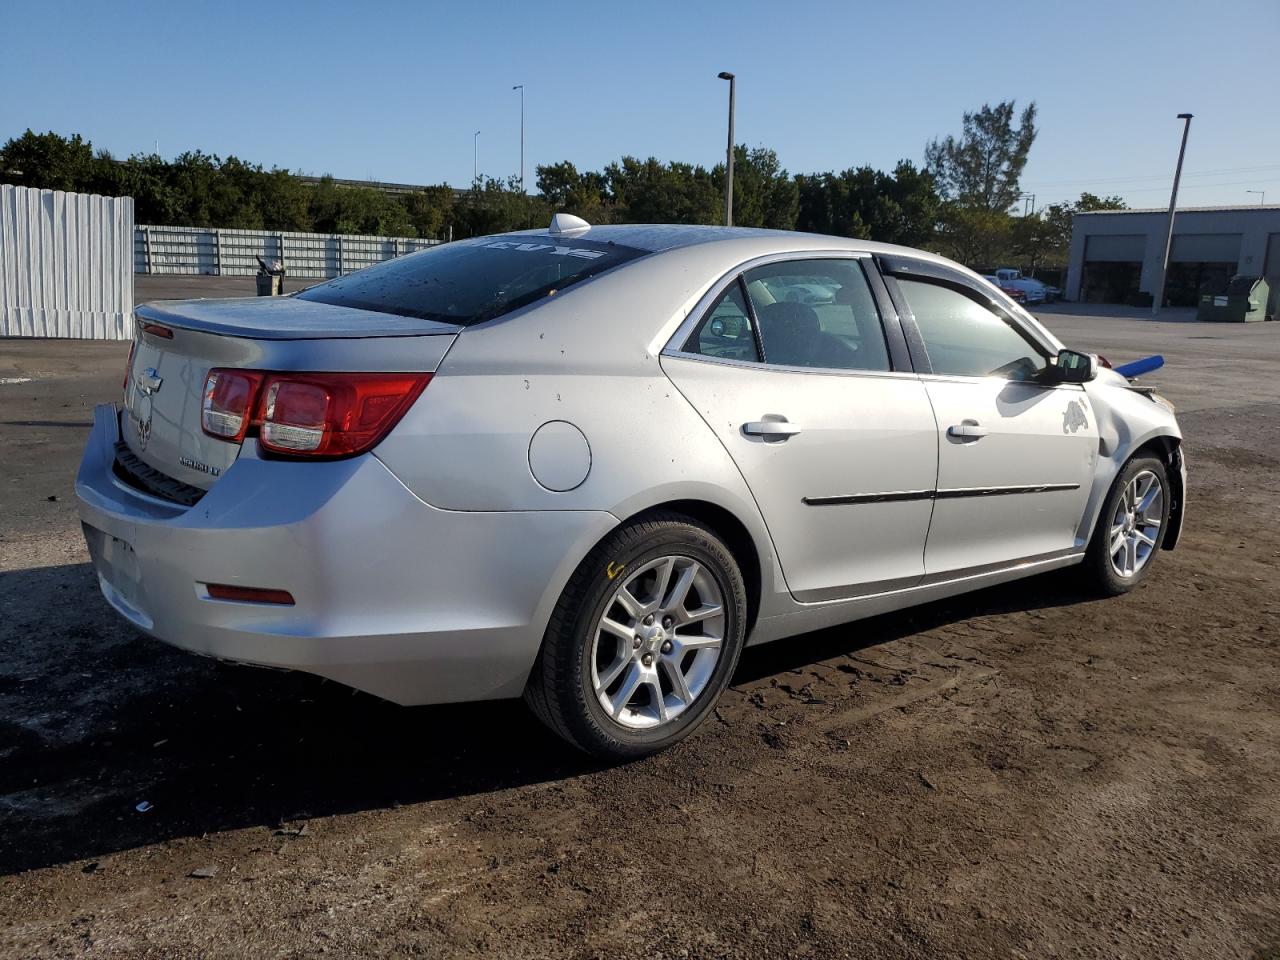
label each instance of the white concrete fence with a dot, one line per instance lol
(66, 264)
(199, 251)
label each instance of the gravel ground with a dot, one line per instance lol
(1023, 772)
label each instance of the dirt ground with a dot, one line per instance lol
(1023, 772)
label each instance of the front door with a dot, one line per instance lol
(1016, 453)
(789, 368)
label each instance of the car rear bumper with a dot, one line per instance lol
(392, 596)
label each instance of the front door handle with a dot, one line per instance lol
(967, 430)
(774, 429)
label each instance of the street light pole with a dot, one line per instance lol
(475, 160)
(1173, 203)
(520, 87)
(1262, 200)
(728, 173)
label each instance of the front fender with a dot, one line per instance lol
(1128, 422)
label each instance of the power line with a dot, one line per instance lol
(1163, 176)
(1205, 186)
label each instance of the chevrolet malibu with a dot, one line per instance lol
(588, 465)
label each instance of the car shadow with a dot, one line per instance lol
(96, 719)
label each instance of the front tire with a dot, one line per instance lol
(643, 640)
(1130, 529)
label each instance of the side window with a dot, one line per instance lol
(967, 339)
(725, 332)
(817, 313)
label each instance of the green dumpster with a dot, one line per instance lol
(1243, 301)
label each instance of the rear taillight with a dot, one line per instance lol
(333, 414)
(226, 409)
(308, 414)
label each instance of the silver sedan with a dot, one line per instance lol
(588, 465)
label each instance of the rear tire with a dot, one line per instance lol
(1130, 528)
(643, 640)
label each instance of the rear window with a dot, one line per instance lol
(471, 281)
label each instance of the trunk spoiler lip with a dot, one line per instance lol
(285, 318)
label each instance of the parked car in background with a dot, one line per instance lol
(1016, 294)
(1035, 290)
(590, 464)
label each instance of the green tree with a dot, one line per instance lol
(983, 166)
(764, 194)
(899, 207)
(336, 208)
(431, 211)
(975, 236)
(282, 200)
(48, 161)
(496, 206)
(565, 190)
(146, 178)
(649, 191)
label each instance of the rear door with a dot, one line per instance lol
(1016, 453)
(793, 368)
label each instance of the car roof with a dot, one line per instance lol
(663, 237)
(723, 249)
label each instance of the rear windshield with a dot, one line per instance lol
(471, 281)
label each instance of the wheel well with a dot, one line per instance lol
(1169, 451)
(735, 536)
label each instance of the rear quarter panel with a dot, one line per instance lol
(590, 359)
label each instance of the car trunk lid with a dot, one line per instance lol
(178, 343)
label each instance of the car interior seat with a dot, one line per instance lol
(793, 336)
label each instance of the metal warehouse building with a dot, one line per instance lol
(1115, 254)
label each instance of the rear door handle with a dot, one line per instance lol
(967, 430)
(774, 429)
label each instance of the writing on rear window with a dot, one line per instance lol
(551, 248)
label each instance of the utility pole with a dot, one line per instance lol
(475, 160)
(1173, 203)
(728, 167)
(520, 87)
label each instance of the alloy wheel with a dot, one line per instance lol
(655, 647)
(1135, 525)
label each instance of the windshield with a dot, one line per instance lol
(471, 281)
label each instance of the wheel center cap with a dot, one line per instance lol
(653, 638)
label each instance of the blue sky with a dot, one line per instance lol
(395, 91)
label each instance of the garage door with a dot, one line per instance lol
(1119, 249)
(1112, 267)
(1200, 263)
(1205, 248)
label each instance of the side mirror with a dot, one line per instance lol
(1072, 366)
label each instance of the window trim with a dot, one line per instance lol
(941, 275)
(900, 361)
(748, 311)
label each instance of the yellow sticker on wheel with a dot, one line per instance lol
(614, 568)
